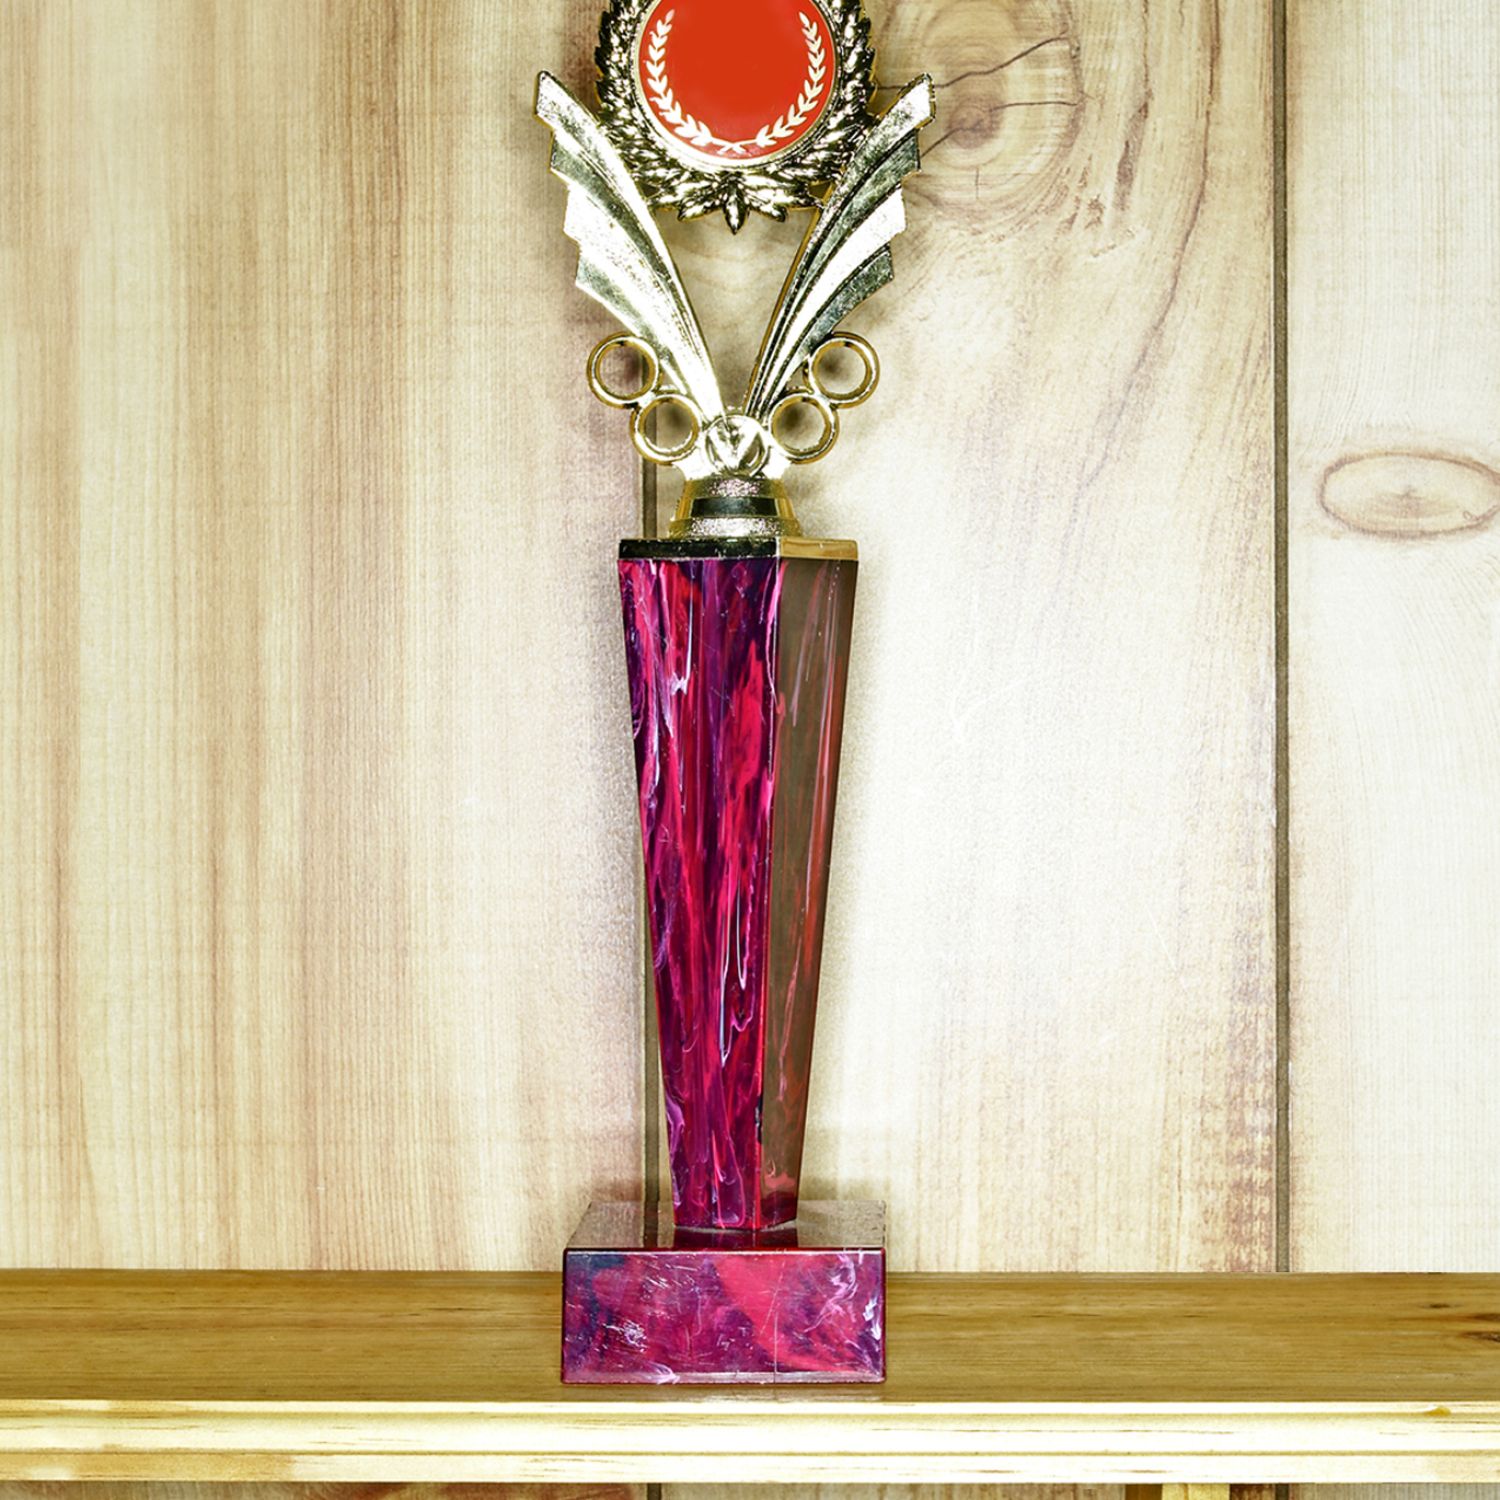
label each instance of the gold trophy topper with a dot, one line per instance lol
(706, 106)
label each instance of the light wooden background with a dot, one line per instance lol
(1394, 589)
(319, 907)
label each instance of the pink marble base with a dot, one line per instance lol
(646, 1303)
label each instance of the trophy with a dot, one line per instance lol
(737, 630)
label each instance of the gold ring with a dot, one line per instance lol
(824, 408)
(624, 400)
(650, 450)
(865, 389)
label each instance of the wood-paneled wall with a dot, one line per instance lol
(1394, 404)
(1049, 1030)
(1395, 672)
(317, 905)
(319, 937)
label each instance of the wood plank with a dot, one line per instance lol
(1395, 559)
(990, 1339)
(1394, 383)
(316, 859)
(1047, 1024)
(445, 1378)
(374, 1490)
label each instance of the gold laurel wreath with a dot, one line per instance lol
(736, 188)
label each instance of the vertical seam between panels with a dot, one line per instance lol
(1281, 408)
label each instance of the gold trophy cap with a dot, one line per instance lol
(757, 107)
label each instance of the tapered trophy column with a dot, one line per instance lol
(737, 633)
(738, 656)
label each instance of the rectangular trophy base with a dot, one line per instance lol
(645, 1303)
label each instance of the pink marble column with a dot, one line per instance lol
(738, 667)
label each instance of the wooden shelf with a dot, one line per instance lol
(1208, 1379)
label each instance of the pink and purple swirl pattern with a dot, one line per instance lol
(645, 1302)
(738, 668)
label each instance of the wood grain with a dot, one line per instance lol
(315, 875)
(246, 1490)
(1048, 1009)
(1395, 559)
(447, 1378)
(1394, 385)
(1048, 1030)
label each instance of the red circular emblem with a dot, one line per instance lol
(733, 85)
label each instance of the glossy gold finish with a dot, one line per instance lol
(642, 424)
(625, 265)
(867, 382)
(628, 344)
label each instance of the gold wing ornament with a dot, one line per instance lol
(846, 256)
(625, 265)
